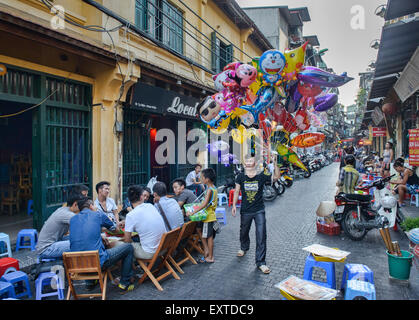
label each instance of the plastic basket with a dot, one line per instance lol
(332, 229)
(399, 267)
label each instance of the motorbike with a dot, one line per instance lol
(386, 204)
(356, 215)
(269, 192)
(230, 181)
(279, 187)
(286, 179)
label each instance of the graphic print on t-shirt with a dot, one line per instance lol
(251, 189)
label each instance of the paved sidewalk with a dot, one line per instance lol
(290, 227)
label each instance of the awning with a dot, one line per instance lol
(398, 43)
(399, 8)
(408, 83)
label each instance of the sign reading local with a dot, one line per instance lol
(158, 100)
(414, 147)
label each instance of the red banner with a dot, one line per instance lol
(414, 147)
(379, 132)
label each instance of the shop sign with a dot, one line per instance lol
(161, 101)
(379, 132)
(414, 147)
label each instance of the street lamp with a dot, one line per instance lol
(375, 45)
(380, 11)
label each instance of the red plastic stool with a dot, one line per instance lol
(231, 197)
(8, 265)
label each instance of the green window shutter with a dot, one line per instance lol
(229, 53)
(215, 53)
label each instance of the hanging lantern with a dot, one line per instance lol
(389, 108)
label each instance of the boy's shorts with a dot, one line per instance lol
(207, 229)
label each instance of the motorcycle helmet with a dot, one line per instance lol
(389, 202)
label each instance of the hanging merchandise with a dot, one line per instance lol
(269, 99)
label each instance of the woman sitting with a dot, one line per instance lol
(409, 181)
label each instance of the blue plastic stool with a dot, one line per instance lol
(7, 288)
(15, 277)
(22, 243)
(30, 207)
(45, 279)
(328, 266)
(220, 213)
(356, 289)
(5, 238)
(353, 271)
(222, 199)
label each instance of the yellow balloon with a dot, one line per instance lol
(222, 128)
(295, 60)
(239, 134)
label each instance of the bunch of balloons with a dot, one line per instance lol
(275, 92)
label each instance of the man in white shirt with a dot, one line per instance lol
(193, 181)
(168, 207)
(146, 221)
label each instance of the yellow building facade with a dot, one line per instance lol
(76, 59)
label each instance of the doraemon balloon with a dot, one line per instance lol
(272, 64)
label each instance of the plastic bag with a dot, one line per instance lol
(151, 183)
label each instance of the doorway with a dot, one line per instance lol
(15, 167)
(48, 147)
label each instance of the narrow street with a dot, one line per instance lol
(291, 226)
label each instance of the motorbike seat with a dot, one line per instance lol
(358, 197)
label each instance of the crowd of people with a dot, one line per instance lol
(79, 225)
(354, 162)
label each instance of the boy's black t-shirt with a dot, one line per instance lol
(252, 191)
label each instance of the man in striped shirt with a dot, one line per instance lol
(349, 177)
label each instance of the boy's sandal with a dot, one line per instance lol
(201, 259)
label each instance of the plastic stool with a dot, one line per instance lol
(353, 271)
(231, 197)
(15, 277)
(7, 288)
(8, 265)
(222, 199)
(22, 243)
(416, 201)
(220, 213)
(5, 238)
(328, 266)
(356, 289)
(30, 207)
(45, 279)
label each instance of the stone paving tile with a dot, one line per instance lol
(290, 227)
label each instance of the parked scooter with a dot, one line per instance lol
(386, 204)
(286, 179)
(356, 215)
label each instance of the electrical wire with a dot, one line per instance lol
(183, 28)
(197, 15)
(186, 29)
(36, 105)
